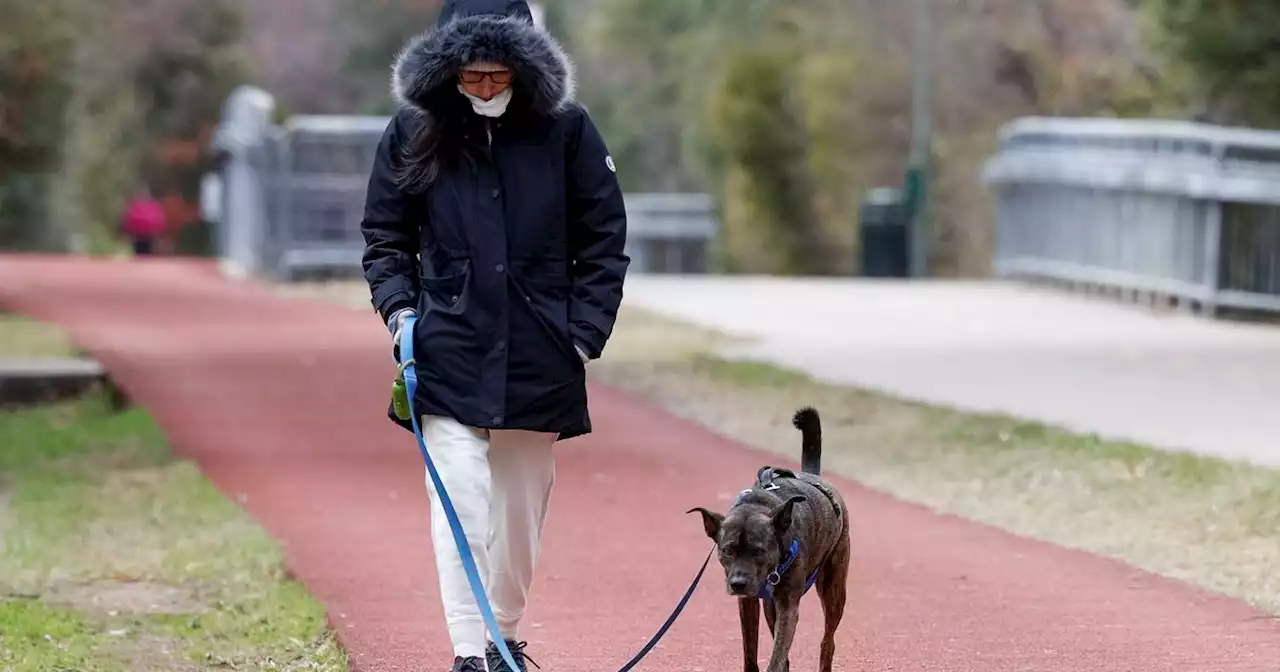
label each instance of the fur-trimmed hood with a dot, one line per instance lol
(471, 31)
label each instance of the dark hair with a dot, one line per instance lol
(436, 143)
(439, 143)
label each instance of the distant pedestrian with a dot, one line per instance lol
(143, 222)
(494, 213)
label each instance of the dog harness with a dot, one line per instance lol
(775, 577)
(764, 480)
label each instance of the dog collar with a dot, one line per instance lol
(775, 577)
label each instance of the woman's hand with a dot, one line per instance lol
(396, 325)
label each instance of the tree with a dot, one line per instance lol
(1227, 53)
(375, 32)
(112, 94)
(36, 56)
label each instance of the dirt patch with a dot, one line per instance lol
(149, 653)
(129, 598)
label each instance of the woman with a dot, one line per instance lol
(494, 214)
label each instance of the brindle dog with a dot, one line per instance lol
(784, 535)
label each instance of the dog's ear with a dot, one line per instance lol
(781, 514)
(710, 521)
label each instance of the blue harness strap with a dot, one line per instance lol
(775, 577)
(408, 370)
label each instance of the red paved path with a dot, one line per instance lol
(282, 405)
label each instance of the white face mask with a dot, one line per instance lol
(494, 107)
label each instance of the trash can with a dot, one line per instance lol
(883, 234)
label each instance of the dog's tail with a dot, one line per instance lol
(810, 425)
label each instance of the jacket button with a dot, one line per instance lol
(497, 193)
(499, 268)
(497, 419)
(502, 345)
(453, 299)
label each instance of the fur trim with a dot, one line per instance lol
(425, 69)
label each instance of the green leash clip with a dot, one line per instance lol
(400, 395)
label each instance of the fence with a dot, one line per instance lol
(1184, 210)
(287, 199)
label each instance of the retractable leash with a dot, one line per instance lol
(410, 377)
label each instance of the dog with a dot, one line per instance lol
(787, 533)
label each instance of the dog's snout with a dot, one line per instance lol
(738, 585)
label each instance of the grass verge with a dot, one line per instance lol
(21, 337)
(1208, 522)
(117, 556)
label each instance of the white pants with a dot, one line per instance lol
(499, 483)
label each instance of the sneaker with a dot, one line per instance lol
(472, 664)
(493, 657)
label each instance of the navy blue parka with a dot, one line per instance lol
(505, 234)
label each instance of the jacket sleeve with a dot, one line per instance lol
(390, 232)
(597, 238)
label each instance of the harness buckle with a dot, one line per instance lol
(774, 578)
(764, 478)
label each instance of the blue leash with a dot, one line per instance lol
(410, 374)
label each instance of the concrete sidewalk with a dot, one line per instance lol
(1169, 381)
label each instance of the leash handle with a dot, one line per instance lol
(459, 536)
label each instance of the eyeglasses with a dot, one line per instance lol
(476, 76)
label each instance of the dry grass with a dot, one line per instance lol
(21, 337)
(1212, 523)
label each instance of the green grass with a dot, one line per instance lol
(747, 373)
(112, 546)
(35, 637)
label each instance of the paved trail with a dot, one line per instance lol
(282, 403)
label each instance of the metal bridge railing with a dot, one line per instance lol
(290, 198)
(1186, 210)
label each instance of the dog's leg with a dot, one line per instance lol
(749, 614)
(832, 588)
(784, 631)
(771, 617)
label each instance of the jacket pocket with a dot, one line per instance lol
(446, 294)
(547, 297)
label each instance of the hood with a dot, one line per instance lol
(470, 31)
